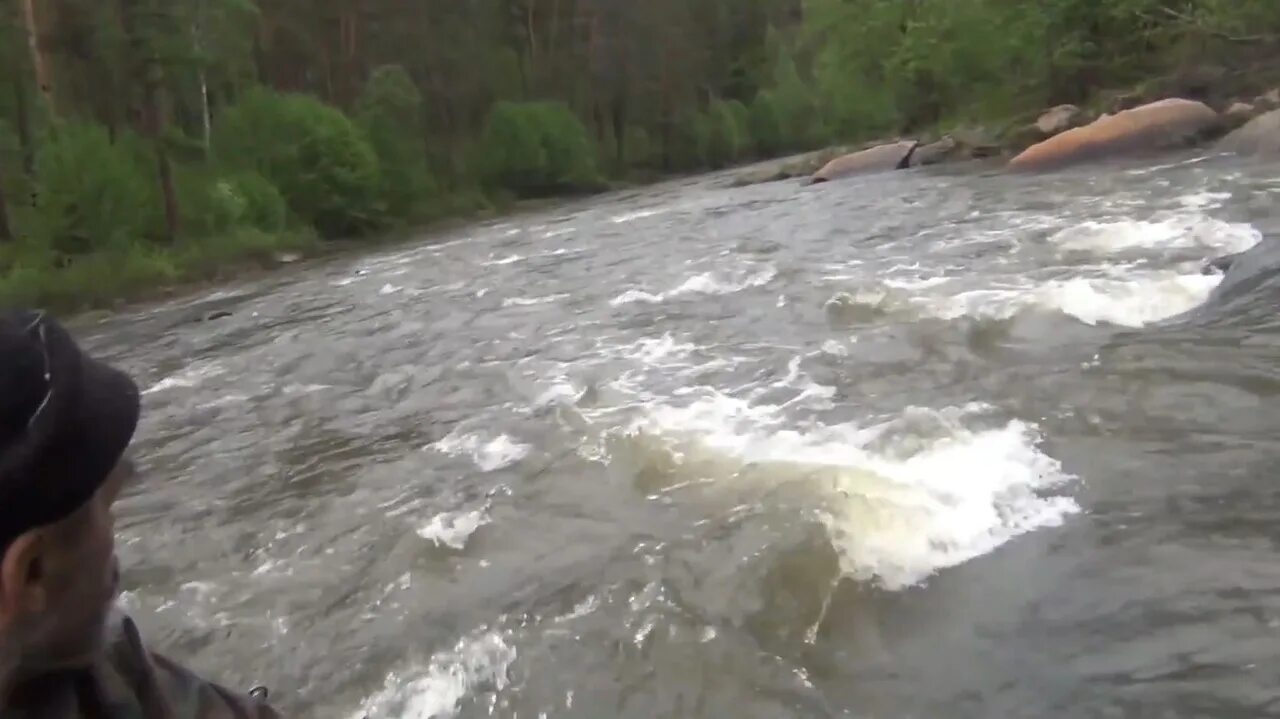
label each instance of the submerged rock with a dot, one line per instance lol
(1259, 136)
(1166, 124)
(881, 158)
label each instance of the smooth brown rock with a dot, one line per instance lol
(1261, 136)
(1058, 120)
(1165, 124)
(1268, 101)
(1238, 114)
(935, 152)
(800, 166)
(881, 158)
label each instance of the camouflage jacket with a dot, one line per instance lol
(132, 682)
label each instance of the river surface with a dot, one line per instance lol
(948, 444)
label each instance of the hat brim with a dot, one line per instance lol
(105, 419)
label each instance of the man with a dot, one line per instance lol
(65, 422)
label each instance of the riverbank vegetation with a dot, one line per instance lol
(145, 143)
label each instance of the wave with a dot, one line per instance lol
(717, 282)
(1138, 300)
(453, 529)
(476, 661)
(488, 454)
(1186, 230)
(189, 377)
(900, 500)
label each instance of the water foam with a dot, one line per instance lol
(717, 282)
(530, 301)
(488, 454)
(637, 215)
(1131, 300)
(1178, 231)
(1129, 303)
(475, 662)
(901, 500)
(453, 529)
(191, 376)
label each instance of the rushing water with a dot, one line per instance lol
(951, 444)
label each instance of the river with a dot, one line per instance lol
(922, 444)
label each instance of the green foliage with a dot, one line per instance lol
(765, 125)
(534, 148)
(92, 194)
(640, 148)
(322, 164)
(724, 141)
(795, 105)
(214, 203)
(687, 142)
(470, 104)
(390, 112)
(31, 276)
(742, 124)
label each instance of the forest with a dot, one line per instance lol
(145, 143)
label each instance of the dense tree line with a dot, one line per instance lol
(142, 138)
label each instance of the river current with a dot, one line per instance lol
(922, 444)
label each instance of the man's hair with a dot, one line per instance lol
(65, 421)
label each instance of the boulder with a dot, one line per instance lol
(977, 142)
(1261, 136)
(935, 152)
(1238, 114)
(1058, 120)
(1017, 139)
(800, 166)
(1268, 101)
(1161, 125)
(893, 156)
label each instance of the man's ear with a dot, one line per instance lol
(22, 575)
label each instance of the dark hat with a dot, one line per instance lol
(65, 422)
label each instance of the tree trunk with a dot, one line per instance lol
(24, 128)
(145, 63)
(39, 63)
(6, 230)
(197, 32)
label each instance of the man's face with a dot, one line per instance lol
(58, 591)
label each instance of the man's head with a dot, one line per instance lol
(65, 422)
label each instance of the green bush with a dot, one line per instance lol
(31, 275)
(766, 126)
(390, 112)
(90, 280)
(535, 148)
(723, 139)
(92, 194)
(687, 142)
(214, 202)
(322, 164)
(742, 122)
(640, 148)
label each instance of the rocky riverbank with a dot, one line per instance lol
(1058, 137)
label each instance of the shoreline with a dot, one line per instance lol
(92, 286)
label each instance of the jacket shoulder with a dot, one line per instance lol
(164, 689)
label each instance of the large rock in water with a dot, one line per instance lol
(1260, 136)
(1161, 125)
(893, 156)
